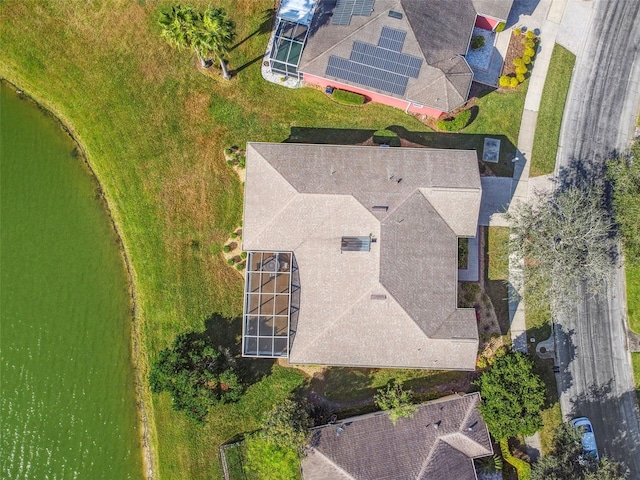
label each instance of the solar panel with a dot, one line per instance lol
(344, 69)
(356, 244)
(393, 14)
(385, 59)
(346, 8)
(392, 39)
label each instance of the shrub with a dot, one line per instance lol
(348, 98)
(514, 82)
(396, 401)
(455, 124)
(230, 163)
(529, 52)
(482, 363)
(518, 62)
(234, 235)
(521, 70)
(517, 31)
(530, 35)
(243, 255)
(526, 60)
(227, 151)
(230, 262)
(477, 41)
(505, 81)
(226, 249)
(522, 467)
(240, 266)
(500, 27)
(530, 44)
(520, 77)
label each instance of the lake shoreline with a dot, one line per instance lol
(143, 407)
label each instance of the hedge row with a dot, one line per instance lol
(455, 124)
(349, 98)
(522, 467)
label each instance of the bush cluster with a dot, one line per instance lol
(477, 41)
(456, 123)
(348, 98)
(522, 64)
(522, 467)
(235, 157)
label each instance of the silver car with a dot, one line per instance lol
(588, 438)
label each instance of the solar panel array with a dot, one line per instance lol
(392, 39)
(356, 244)
(346, 8)
(381, 66)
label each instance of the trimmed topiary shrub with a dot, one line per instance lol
(520, 77)
(517, 62)
(505, 81)
(521, 70)
(477, 41)
(517, 31)
(226, 249)
(348, 98)
(514, 82)
(240, 266)
(455, 124)
(500, 27)
(243, 255)
(529, 52)
(526, 60)
(230, 262)
(522, 467)
(530, 35)
(530, 44)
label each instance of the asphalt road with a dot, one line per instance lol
(595, 378)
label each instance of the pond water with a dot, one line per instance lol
(67, 407)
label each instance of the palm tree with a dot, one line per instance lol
(213, 38)
(179, 26)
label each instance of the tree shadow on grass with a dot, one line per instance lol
(226, 334)
(265, 26)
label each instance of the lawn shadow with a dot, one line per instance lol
(235, 71)
(342, 384)
(334, 136)
(226, 334)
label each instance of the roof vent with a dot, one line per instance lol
(376, 296)
(380, 208)
(393, 14)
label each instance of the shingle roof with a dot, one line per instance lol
(436, 31)
(370, 447)
(395, 305)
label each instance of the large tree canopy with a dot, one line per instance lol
(397, 401)
(564, 238)
(624, 175)
(568, 461)
(196, 375)
(512, 397)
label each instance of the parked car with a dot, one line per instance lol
(588, 438)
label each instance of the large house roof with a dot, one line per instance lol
(438, 442)
(437, 35)
(394, 305)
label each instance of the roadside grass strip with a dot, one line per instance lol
(633, 296)
(554, 95)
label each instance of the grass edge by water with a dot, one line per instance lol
(146, 426)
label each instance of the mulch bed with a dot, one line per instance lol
(515, 50)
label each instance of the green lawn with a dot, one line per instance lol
(498, 251)
(554, 95)
(154, 129)
(633, 296)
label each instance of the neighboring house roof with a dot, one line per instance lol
(396, 304)
(438, 442)
(436, 37)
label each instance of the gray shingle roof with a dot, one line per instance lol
(437, 31)
(370, 447)
(392, 306)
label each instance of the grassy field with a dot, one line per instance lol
(556, 87)
(154, 128)
(635, 358)
(498, 250)
(633, 296)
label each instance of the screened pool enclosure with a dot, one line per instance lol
(292, 28)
